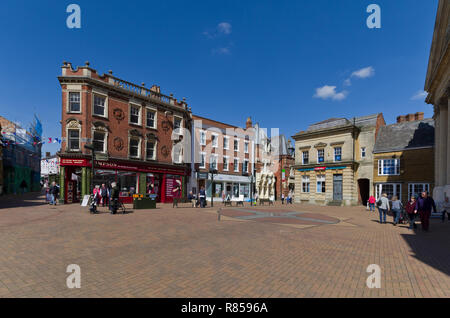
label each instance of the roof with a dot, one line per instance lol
(405, 135)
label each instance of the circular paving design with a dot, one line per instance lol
(279, 216)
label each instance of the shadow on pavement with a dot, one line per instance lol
(431, 248)
(22, 200)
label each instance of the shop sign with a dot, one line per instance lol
(320, 168)
(283, 175)
(74, 162)
(202, 175)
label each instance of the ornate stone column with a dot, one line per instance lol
(443, 143)
(437, 156)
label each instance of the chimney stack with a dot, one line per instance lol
(248, 123)
(410, 117)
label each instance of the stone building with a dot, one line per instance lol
(403, 157)
(226, 150)
(333, 160)
(1, 161)
(137, 134)
(437, 84)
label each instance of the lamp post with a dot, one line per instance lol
(91, 148)
(251, 190)
(212, 172)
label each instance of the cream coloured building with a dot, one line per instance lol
(333, 160)
(437, 85)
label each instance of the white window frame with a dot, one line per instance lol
(303, 157)
(102, 95)
(216, 161)
(246, 146)
(134, 105)
(228, 142)
(216, 138)
(68, 139)
(243, 166)
(181, 125)
(381, 166)
(306, 180)
(334, 156)
(236, 139)
(139, 147)
(68, 102)
(321, 178)
(200, 134)
(155, 119)
(236, 165)
(323, 150)
(155, 147)
(227, 158)
(204, 161)
(105, 139)
(379, 189)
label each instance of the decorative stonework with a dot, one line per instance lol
(73, 124)
(118, 143)
(118, 114)
(165, 151)
(166, 125)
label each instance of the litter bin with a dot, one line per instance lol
(144, 201)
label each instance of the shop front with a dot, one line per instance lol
(229, 185)
(131, 178)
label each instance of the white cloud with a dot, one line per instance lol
(329, 92)
(347, 82)
(364, 72)
(419, 95)
(222, 50)
(224, 27)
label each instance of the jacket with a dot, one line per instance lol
(384, 203)
(410, 207)
(397, 205)
(423, 204)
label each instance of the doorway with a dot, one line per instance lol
(363, 191)
(337, 187)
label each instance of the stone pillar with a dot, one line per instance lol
(443, 144)
(437, 157)
(143, 183)
(84, 185)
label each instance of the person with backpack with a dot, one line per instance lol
(372, 203)
(396, 209)
(383, 207)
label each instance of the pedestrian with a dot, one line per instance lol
(372, 203)
(424, 205)
(97, 195)
(256, 197)
(202, 197)
(282, 198)
(104, 194)
(54, 191)
(23, 186)
(396, 209)
(114, 197)
(383, 207)
(410, 210)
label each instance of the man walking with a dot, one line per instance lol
(54, 192)
(423, 206)
(383, 207)
(104, 194)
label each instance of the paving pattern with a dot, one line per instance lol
(188, 252)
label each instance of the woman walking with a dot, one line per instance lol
(372, 203)
(383, 207)
(410, 210)
(396, 209)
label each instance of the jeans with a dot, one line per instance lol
(396, 215)
(372, 207)
(425, 219)
(53, 202)
(382, 215)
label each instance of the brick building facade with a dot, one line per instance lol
(137, 134)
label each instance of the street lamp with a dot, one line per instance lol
(212, 172)
(91, 148)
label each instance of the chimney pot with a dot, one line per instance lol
(87, 63)
(110, 72)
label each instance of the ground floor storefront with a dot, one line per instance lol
(131, 178)
(326, 185)
(224, 185)
(403, 190)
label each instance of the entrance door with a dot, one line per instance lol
(337, 187)
(363, 190)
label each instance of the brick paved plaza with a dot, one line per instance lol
(186, 252)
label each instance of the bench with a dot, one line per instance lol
(183, 201)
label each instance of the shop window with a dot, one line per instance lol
(74, 139)
(135, 115)
(99, 106)
(320, 184)
(320, 155)
(337, 153)
(305, 157)
(305, 184)
(99, 141)
(74, 102)
(416, 189)
(390, 189)
(134, 147)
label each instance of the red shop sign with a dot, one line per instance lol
(320, 168)
(74, 162)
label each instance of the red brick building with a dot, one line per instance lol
(133, 130)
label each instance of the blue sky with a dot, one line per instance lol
(230, 59)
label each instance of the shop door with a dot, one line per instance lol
(337, 187)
